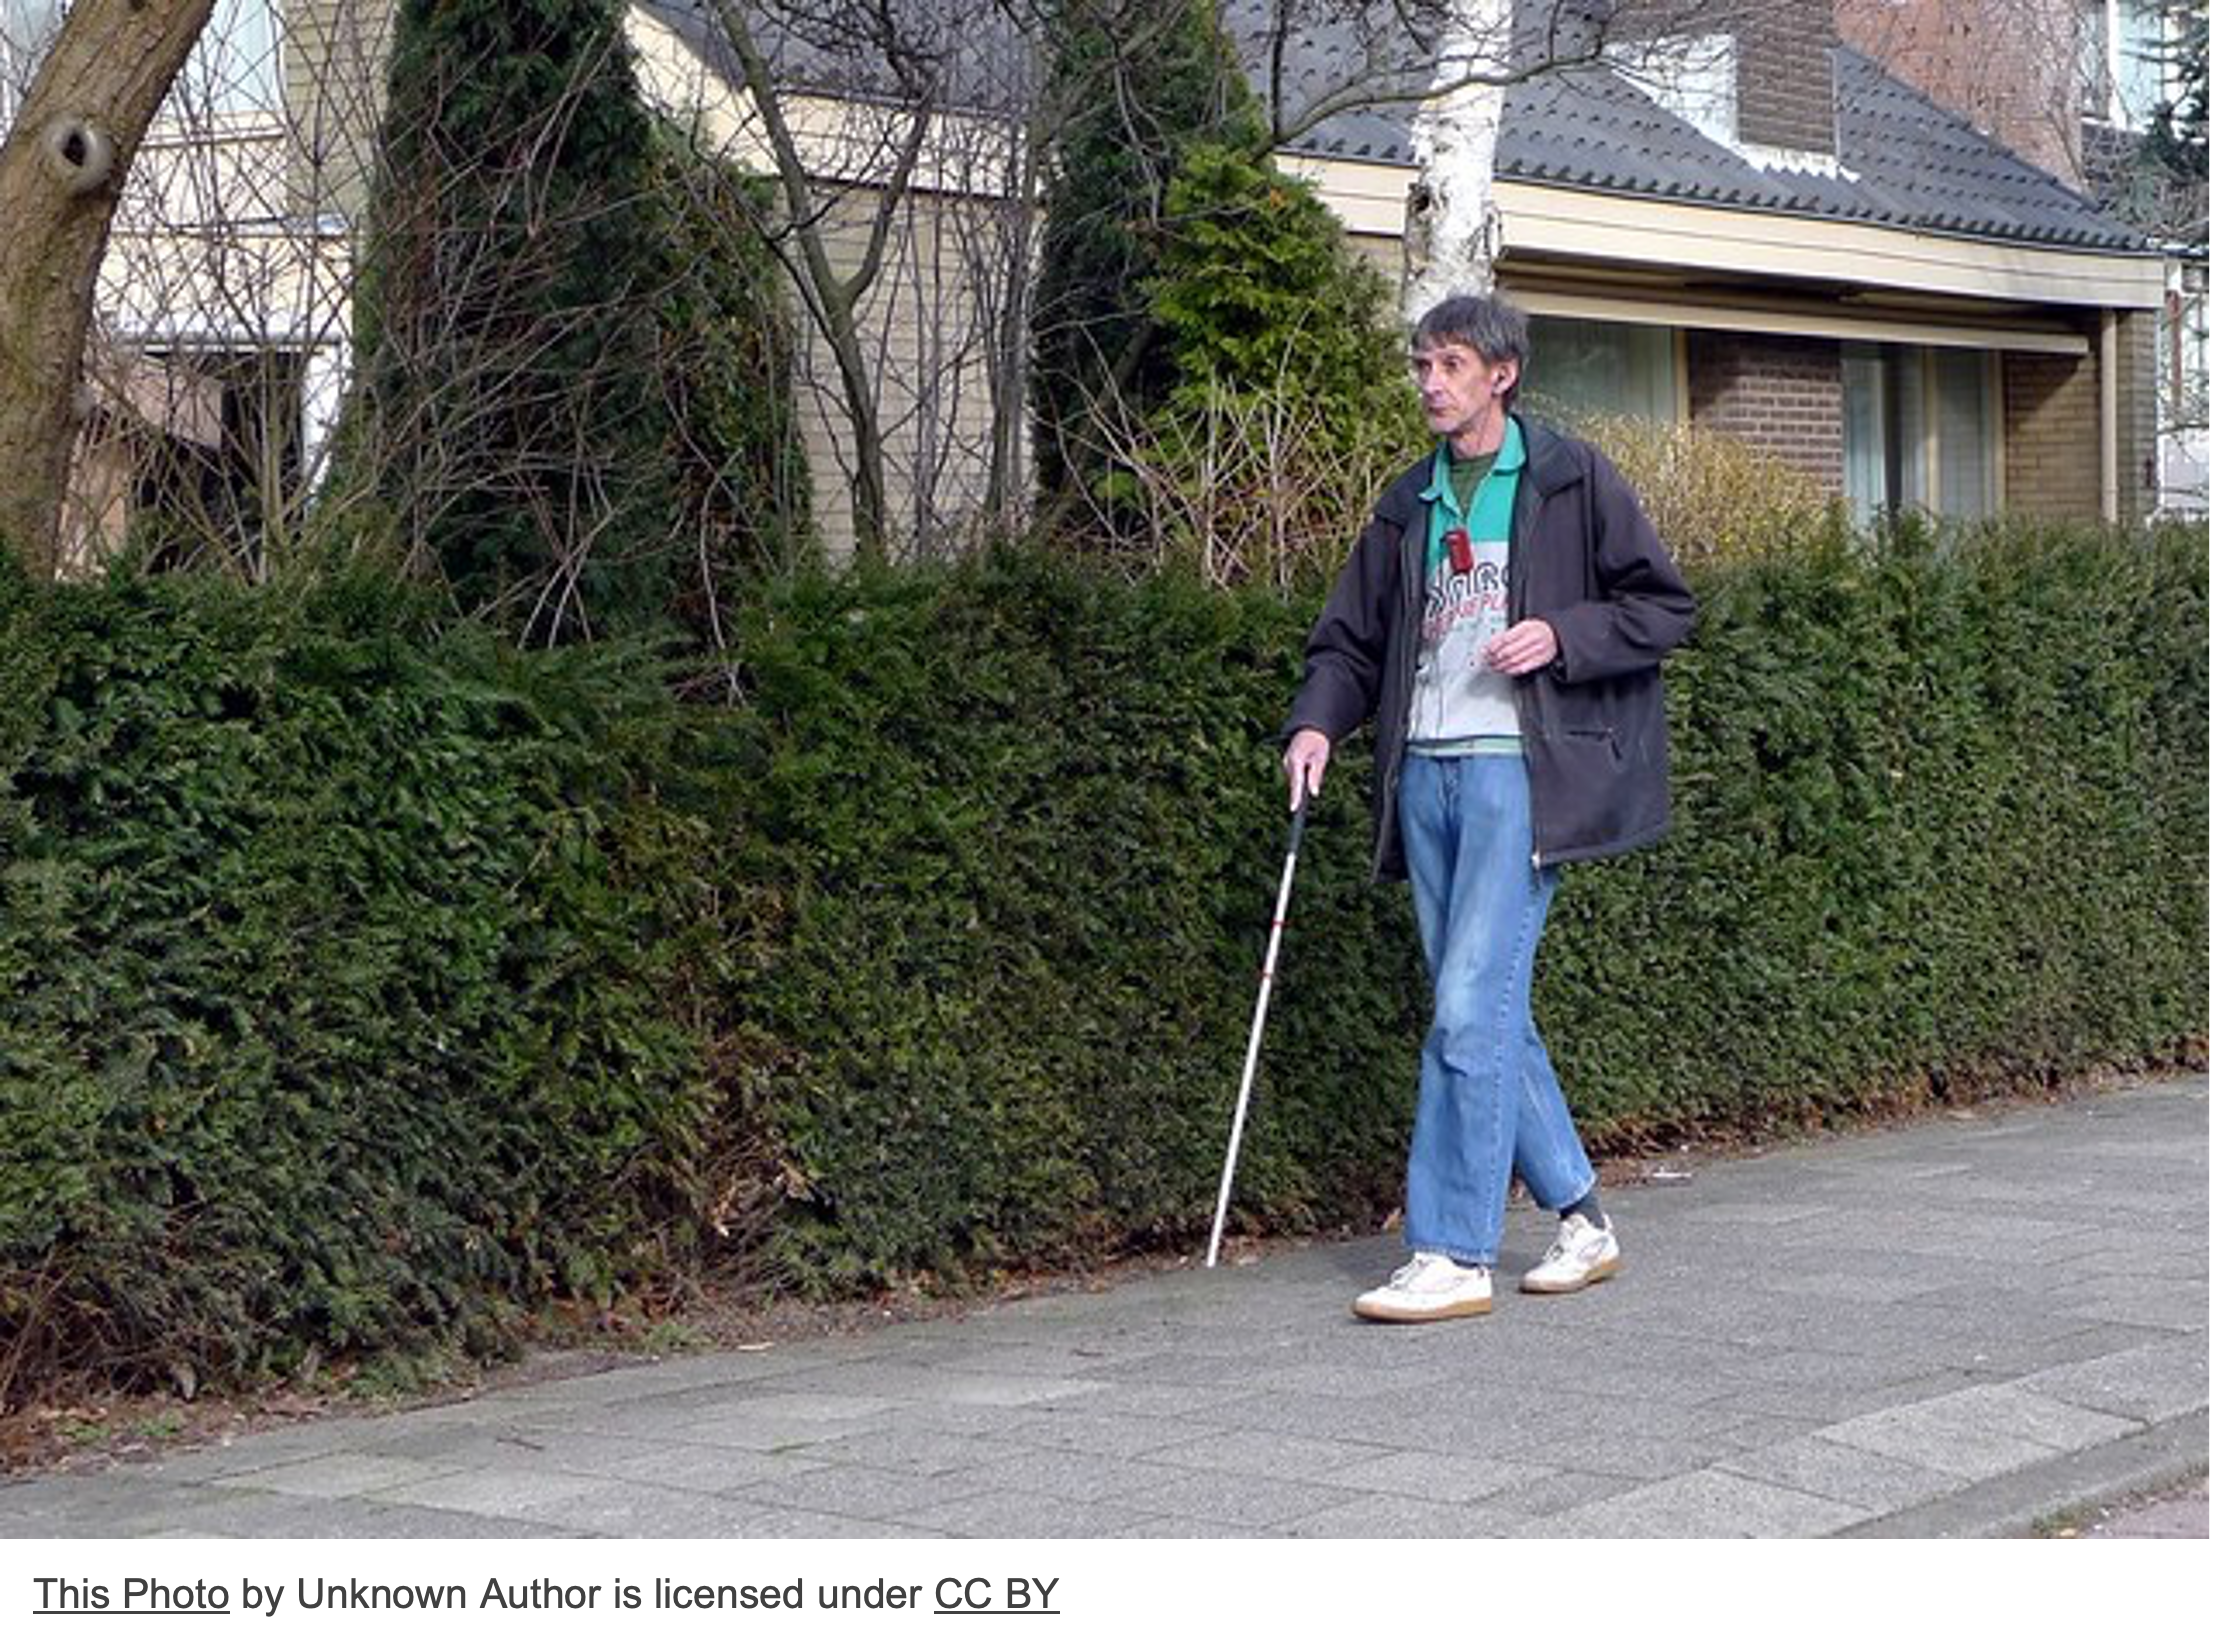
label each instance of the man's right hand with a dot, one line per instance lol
(1305, 759)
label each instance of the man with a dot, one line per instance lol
(1502, 618)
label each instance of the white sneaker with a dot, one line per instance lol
(1580, 1256)
(1426, 1288)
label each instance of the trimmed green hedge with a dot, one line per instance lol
(334, 963)
(1941, 818)
(1027, 826)
(364, 985)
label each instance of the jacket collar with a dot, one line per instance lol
(1552, 464)
(1548, 465)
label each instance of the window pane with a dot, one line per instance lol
(28, 23)
(1963, 434)
(2141, 67)
(2095, 66)
(26, 28)
(1866, 432)
(2182, 445)
(1909, 483)
(1581, 368)
(234, 69)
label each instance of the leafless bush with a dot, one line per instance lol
(1245, 487)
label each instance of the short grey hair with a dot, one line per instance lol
(1493, 328)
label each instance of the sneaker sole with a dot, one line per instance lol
(1432, 1314)
(1597, 1274)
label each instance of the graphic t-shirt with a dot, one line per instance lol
(1461, 705)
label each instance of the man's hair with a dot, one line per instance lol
(1493, 328)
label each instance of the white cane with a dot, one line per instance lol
(1259, 1019)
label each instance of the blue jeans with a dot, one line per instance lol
(1490, 1105)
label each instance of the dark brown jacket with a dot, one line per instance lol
(1582, 556)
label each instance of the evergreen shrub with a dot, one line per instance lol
(1941, 816)
(338, 964)
(364, 985)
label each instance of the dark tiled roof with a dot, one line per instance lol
(1920, 164)
(1906, 163)
(970, 47)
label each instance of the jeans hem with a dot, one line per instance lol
(1458, 1257)
(1589, 1187)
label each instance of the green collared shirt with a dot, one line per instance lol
(1461, 706)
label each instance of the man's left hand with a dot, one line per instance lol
(1522, 648)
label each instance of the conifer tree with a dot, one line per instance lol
(1135, 84)
(1258, 292)
(510, 414)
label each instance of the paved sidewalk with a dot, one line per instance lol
(1948, 1329)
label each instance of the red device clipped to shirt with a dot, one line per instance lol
(1460, 549)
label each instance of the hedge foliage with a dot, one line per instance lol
(362, 983)
(335, 965)
(1026, 826)
(1942, 815)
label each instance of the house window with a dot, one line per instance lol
(1921, 430)
(1965, 393)
(1867, 443)
(2182, 349)
(27, 27)
(1578, 369)
(2183, 357)
(1692, 77)
(235, 69)
(2125, 62)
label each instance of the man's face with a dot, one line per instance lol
(1460, 390)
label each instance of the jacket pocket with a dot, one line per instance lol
(1592, 741)
(1578, 789)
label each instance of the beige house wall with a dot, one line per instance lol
(927, 331)
(335, 57)
(929, 322)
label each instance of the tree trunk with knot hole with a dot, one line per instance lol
(61, 173)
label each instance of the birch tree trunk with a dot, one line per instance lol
(61, 171)
(1451, 221)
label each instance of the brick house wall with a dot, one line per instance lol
(2006, 66)
(2051, 425)
(1786, 76)
(2139, 380)
(1782, 395)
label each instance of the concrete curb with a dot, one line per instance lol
(2013, 1504)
